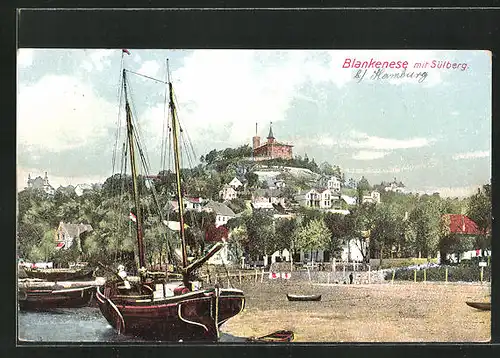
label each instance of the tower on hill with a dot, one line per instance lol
(270, 149)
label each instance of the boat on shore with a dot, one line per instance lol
(275, 337)
(149, 306)
(292, 297)
(60, 274)
(483, 306)
(44, 295)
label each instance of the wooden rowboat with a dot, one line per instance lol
(483, 306)
(278, 336)
(303, 297)
(32, 298)
(56, 275)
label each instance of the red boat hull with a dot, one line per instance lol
(40, 299)
(193, 316)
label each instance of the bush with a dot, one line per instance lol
(395, 263)
(455, 274)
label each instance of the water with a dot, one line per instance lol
(76, 325)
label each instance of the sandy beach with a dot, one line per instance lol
(400, 312)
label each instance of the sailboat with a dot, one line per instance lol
(151, 306)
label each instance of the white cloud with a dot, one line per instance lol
(472, 155)
(59, 113)
(24, 57)
(150, 68)
(363, 140)
(97, 59)
(360, 140)
(369, 155)
(455, 113)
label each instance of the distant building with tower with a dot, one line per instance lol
(270, 149)
(41, 183)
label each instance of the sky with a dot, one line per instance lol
(431, 131)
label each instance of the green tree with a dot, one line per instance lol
(479, 211)
(252, 179)
(386, 230)
(339, 232)
(313, 236)
(286, 234)
(424, 226)
(261, 234)
(363, 184)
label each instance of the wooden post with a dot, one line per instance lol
(393, 274)
(425, 275)
(216, 278)
(309, 274)
(414, 275)
(262, 276)
(240, 276)
(482, 273)
(256, 275)
(446, 275)
(369, 274)
(334, 265)
(344, 270)
(328, 278)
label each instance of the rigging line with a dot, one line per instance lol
(165, 122)
(136, 133)
(120, 97)
(151, 78)
(187, 134)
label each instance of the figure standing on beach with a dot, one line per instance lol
(351, 277)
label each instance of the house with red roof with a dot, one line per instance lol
(464, 226)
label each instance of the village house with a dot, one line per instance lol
(265, 198)
(350, 253)
(310, 198)
(317, 198)
(462, 226)
(189, 203)
(279, 183)
(68, 233)
(41, 184)
(349, 200)
(81, 188)
(330, 182)
(395, 187)
(235, 183)
(328, 197)
(68, 190)
(222, 212)
(374, 197)
(228, 193)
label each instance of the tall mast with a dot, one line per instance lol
(130, 135)
(177, 161)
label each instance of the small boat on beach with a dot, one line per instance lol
(60, 274)
(292, 297)
(48, 295)
(483, 306)
(275, 337)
